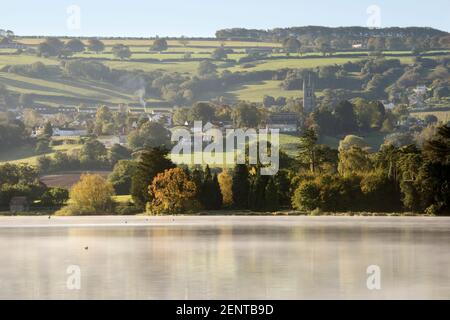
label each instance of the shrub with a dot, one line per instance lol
(307, 196)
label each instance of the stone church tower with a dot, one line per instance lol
(309, 98)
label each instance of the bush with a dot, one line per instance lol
(55, 197)
(127, 209)
(307, 196)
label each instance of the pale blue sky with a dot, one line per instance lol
(204, 17)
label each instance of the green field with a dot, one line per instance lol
(27, 155)
(443, 116)
(55, 90)
(148, 43)
(14, 59)
(254, 92)
(63, 88)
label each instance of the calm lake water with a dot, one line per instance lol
(224, 257)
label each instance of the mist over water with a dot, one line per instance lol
(225, 257)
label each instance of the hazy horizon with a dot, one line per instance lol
(199, 18)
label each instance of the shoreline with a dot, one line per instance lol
(229, 213)
(11, 222)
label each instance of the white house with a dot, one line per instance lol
(161, 114)
(69, 132)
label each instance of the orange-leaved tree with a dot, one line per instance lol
(226, 183)
(172, 192)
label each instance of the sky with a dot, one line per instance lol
(201, 18)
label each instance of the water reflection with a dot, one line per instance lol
(271, 260)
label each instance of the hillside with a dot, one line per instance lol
(246, 70)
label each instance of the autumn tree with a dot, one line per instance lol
(92, 195)
(152, 162)
(225, 183)
(172, 192)
(353, 161)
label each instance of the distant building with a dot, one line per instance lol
(136, 111)
(67, 109)
(45, 111)
(284, 121)
(420, 90)
(388, 105)
(69, 132)
(309, 98)
(87, 110)
(158, 115)
(417, 98)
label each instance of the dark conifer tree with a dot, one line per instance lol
(240, 186)
(271, 196)
(152, 162)
(197, 178)
(217, 199)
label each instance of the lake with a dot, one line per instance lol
(224, 257)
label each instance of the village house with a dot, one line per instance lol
(45, 112)
(136, 111)
(87, 110)
(67, 109)
(286, 122)
(158, 115)
(388, 105)
(69, 132)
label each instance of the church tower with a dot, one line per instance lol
(309, 98)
